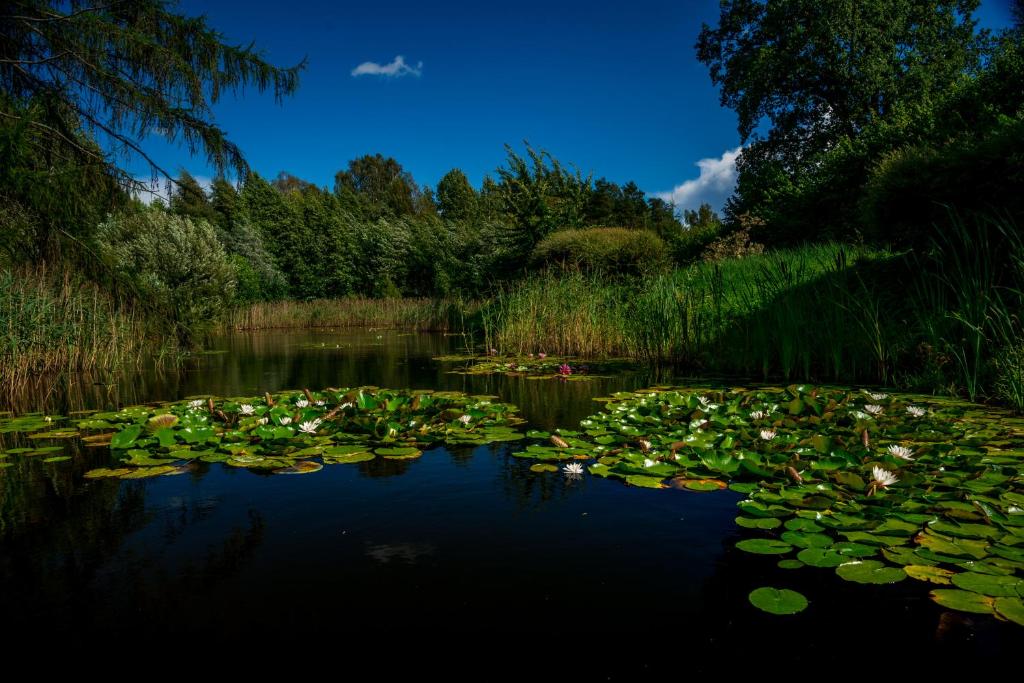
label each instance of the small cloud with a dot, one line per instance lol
(716, 182)
(395, 69)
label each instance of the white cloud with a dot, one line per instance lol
(396, 68)
(715, 183)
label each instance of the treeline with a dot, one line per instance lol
(379, 233)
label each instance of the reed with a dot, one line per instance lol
(440, 315)
(54, 321)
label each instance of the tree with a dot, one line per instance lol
(819, 70)
(456, 198)
(822, 89)
(74, 74)
(188, 198)
(378, 186)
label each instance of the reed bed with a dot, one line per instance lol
(437, 315)
(55, 321)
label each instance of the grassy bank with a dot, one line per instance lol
(55, 321)
(438, 315)
(945, 320)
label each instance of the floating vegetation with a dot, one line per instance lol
(540, 366)
(870, 486)
(297, 432)
(777, 600)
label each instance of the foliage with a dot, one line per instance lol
(456, 198)
(127, 70)
(610, 251)
(284, 433)
(850, 142)
(176, 266)
(877, 487)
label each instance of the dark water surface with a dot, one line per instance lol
(460, 546)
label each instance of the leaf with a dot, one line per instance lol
(807, 540)
(777, 600)
(869, 571)
(987, 584)
(758, 522)
(1010, 608)
(543, 467)
(643, 481)
(764, 546)
(928, 573)
(302, 467)
(963, 601)
(126, 437)
(821, 557)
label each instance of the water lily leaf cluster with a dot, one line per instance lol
(534, 367)
(875, 488)
(299, 432)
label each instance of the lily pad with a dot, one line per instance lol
(777, 600)
(764, 546)
(869, 571)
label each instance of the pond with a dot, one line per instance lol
(467, 539)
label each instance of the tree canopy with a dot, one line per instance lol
(123, 70)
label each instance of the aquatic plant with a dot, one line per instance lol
(819, 487)
(281, 433)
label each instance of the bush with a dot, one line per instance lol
(912, 189)
(176, 265)
(609, 251)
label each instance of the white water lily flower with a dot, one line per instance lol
(198, 403)
(321, 403)
(573, 469)
(873, 409)
(465, 419)
(302, 403)
(878, 397)
(901, 452)
(649, 463)
(915, 411)
(712, 406)
(861, 415)
(882, 477)
(345, 405)
(309, 427)
(286, 420)
(768, 434)
(703, 400)
(758, 415)
(246, 409)
(264, 420)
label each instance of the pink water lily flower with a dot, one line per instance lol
(564, 369)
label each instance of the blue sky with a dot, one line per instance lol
(613, 88)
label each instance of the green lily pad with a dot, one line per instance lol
(1011, 609)
(869, 571)
(777, 600)
(764, 546)
(964, 601)
(986, 584)
(929, 573)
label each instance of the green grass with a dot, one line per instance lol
(786, 313)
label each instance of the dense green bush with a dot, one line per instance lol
(176, 265)
(610, 251)
(914, 188)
